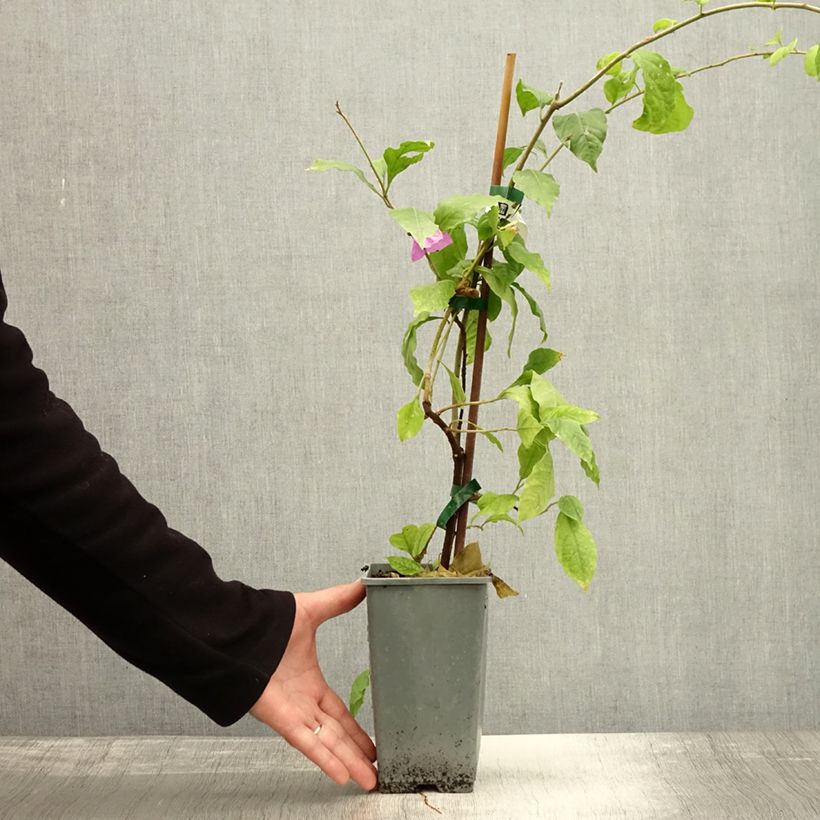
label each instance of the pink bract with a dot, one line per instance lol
(435, 242)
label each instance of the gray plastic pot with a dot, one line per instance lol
(428, 651)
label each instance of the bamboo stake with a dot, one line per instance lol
(481, 326)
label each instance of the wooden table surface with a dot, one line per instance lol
(715, 775)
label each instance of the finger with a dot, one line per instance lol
(334, 601)
(305, 741)
(335, 707)
(341, 745)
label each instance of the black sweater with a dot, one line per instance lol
(77, 528)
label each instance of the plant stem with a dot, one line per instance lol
(468, 403)
(558, 104)
(369, 161)
(698, 70)
(481, 324)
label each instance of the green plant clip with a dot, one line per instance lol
(459, 495)
(508, 192)
(467, 303)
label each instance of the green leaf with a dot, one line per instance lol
(571, 507)
(493, 439)
(495, 504)
(413, 539)
(538, 488)
(404, 566)
(545, 393)
(664, 107)
(419, 224)
(528, 457)
(528, 426)
(575, 548)
(777, 39)
(530, 260)
(328, 164)
(569, 411)
(408, 347)
(470, 328)
(535, 309)
(590, 467)
(539, 361)
(511, 154)
(456, 210)
(811, 62)
(409, 419)
(487, 224)
(398, 159)
(493, 306)
(447, 258)
(541, 188)
(663, 23)
(499, 279)
(357, 691)
(522, 395)
(584, 132)
(606, 59)
(573, 437)
(783, 52)
(456, 387)
(427, 298)
(529, 98)
(620, 86)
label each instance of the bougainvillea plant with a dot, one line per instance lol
(469, 289)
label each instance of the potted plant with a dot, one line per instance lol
(428, 692)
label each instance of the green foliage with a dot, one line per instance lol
(328, 164)
(584, 133)
(539, 488)
(664, 107)
(811, 62)
(456, 387)
(409, 419)
(404, 566)
(408, 346)
(535, 309)
(427, 298)
(663, 24)
(783, 52)
(470, 328)
(529, 456)
(419, 224)
(613, 70)
(493, 439)
(620, 85)
(413, 539)
(357, 691)
(539, 361)
(529, 98)
(399, 159)
(513, 152)
(499, 278)
(575, 549)
(538, 186)
(531, 260)
(446, 259)
(456, 210)
(571, 506)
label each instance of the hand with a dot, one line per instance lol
(297, 698)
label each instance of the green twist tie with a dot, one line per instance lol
(459, 495)
(467, 302)
(508, 192)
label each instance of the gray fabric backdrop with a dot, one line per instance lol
(228, 326)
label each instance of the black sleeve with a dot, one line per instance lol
(77, 528)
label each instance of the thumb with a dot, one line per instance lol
(334, 601)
